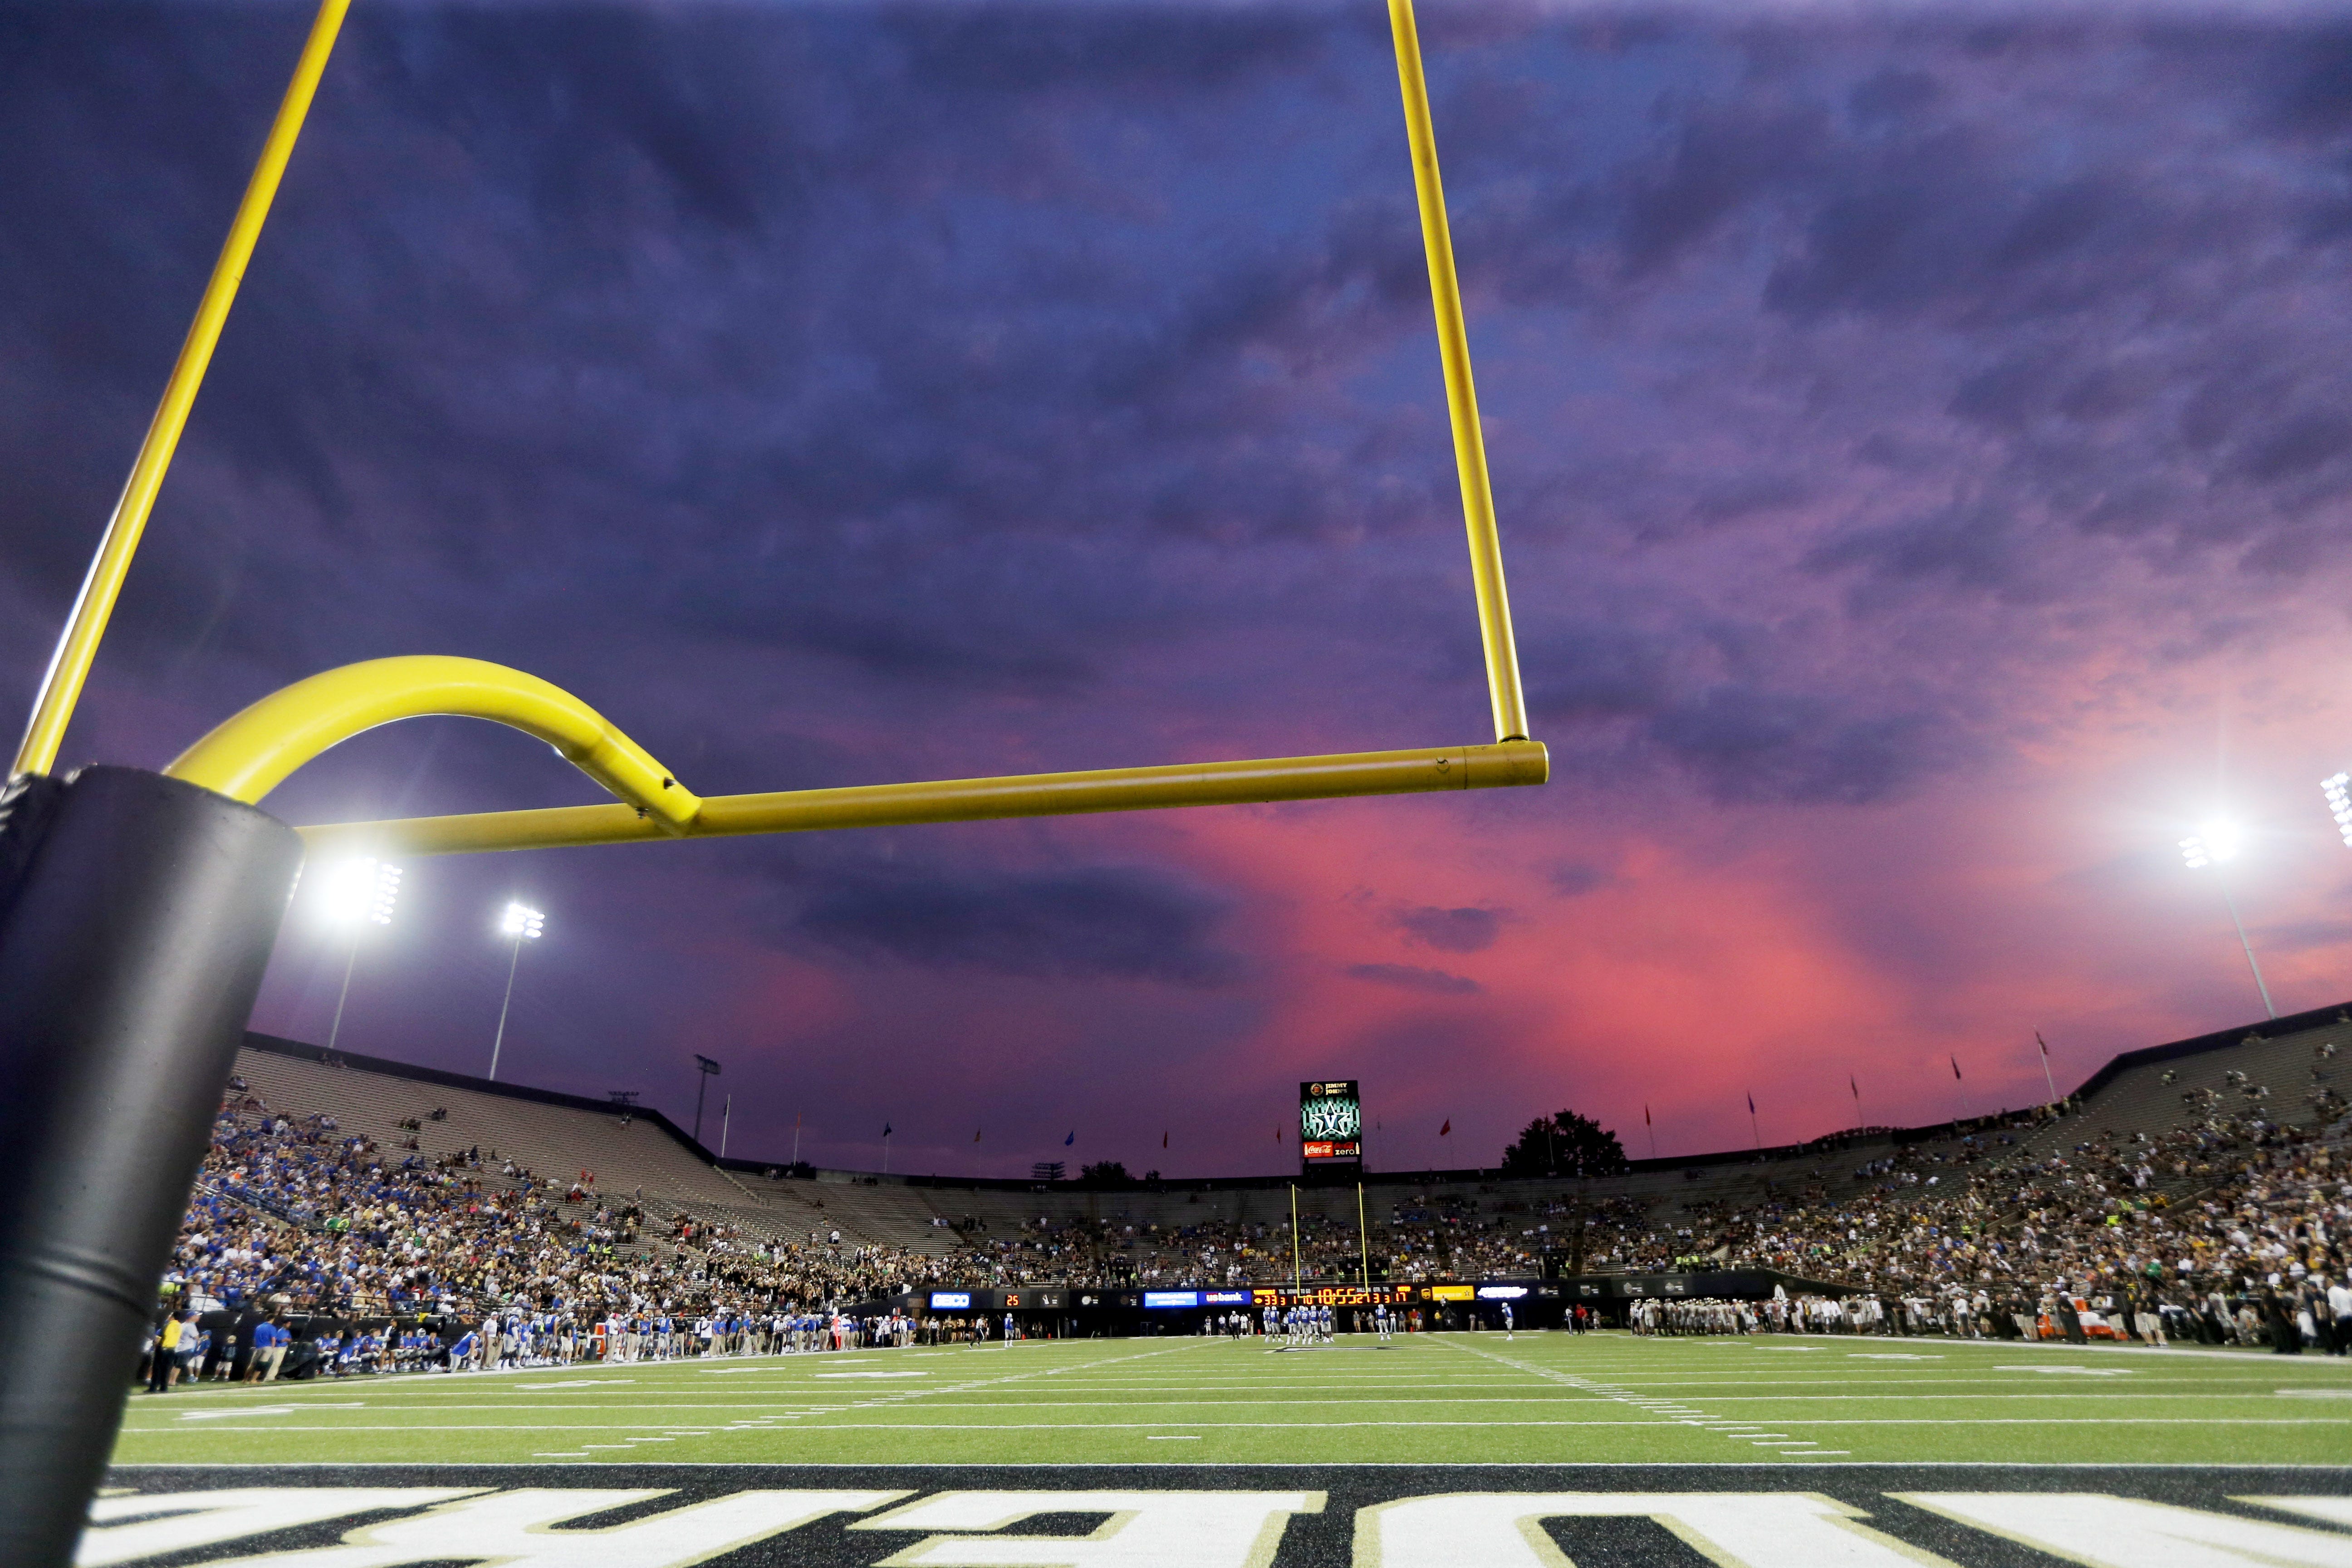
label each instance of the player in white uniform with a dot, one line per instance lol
(1507, 1322)
(1380, 1321)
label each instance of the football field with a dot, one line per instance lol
(1536, 1399)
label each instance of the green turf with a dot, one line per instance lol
(1538, 1398)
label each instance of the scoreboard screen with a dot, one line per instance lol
(1331, 1121)
(1337, 1296)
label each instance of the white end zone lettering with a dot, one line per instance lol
(2327, 1509)
(124, 1529)
(2132, 1532)
(512, 1529)
(1738, 1530)
(1146, 1530)
(2181, 1517)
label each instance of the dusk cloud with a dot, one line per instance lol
(1116, 922)
(1470, 929)
(1414, 977)
(1918, 441)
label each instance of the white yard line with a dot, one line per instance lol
(885, 1429)
(1674, 1410)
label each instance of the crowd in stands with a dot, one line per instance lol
(1424, 1238)
(258, 1344)
(2232, 1225)
(296, 1218)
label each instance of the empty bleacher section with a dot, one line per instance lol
(559, 1137)
(2287, 1073)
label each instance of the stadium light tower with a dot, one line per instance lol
(519, 924)
(2211, 844)
(705, 1069)
(359, 893)
(2339, 790)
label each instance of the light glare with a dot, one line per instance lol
(522, 922)
(363, 889)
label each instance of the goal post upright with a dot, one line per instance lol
(1500, 647)
(138, 912)
(85, 628)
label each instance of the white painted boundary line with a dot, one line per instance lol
(881, 1429)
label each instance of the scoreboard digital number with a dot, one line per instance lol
(1331, 1121)
(1336, 1296)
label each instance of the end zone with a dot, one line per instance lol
(1249, 1516)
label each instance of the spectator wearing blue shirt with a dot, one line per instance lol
(270, 1339)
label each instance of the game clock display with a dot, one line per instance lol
(1337, 1296)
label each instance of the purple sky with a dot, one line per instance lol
(1921, 444)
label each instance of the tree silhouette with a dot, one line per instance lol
(1106, 1173)
(1565, 1144)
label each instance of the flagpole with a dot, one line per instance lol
(1653, 1127)
(796, 1137)
(2046, 1082)
(1364, 1236)
(1753, 1131)
(1296, 1286)
(726, 1116)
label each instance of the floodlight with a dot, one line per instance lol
(359, 894)
(2218, 840)
(705, 1069)
(2339, 790)
(520, 923)
(363, 889)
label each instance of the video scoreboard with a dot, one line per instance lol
(1330, 1124)
(1341, 1296)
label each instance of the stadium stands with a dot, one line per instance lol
(624, 1152)
(2205, 1167)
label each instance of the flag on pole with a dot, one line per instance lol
(1277, 1131)
(1447, 1128)
(1164, 1140)
(885, 1130)
(2042, 1043)
(1851, 1084)
(1071, 1138)
(1751, 1102)
(1645, 1113)
(1956, 1069)
(975, 1134)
